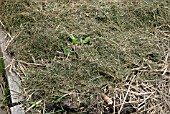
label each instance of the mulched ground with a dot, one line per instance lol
(123, 69)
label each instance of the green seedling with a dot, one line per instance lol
(74, 39)
(86, 40)
(67, 50)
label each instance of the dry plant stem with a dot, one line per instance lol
(149, 108)
(145, 101)
(126, 94)
(167, 102)
(11, 39)
(114, 105)
(136, 93)
(10, 66)
(44, 108)
(2, 24)
(34, 64)
(164, 34)
(22, 69)
(166, 63)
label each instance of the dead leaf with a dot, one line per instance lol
(86, 14)
(107, 99)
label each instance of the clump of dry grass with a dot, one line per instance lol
(128, 51)
(144, 96)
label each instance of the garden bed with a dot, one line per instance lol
(71, 54)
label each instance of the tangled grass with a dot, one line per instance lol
(127, 57)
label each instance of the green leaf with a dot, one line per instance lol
(2, 66)
(6, 92)
(86, 40)
(67, 50)
(74, 40)
(61, 97)
(2, 101)
(36, 105)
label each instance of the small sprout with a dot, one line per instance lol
(74, 40)
(86, 40)
(67, 50)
